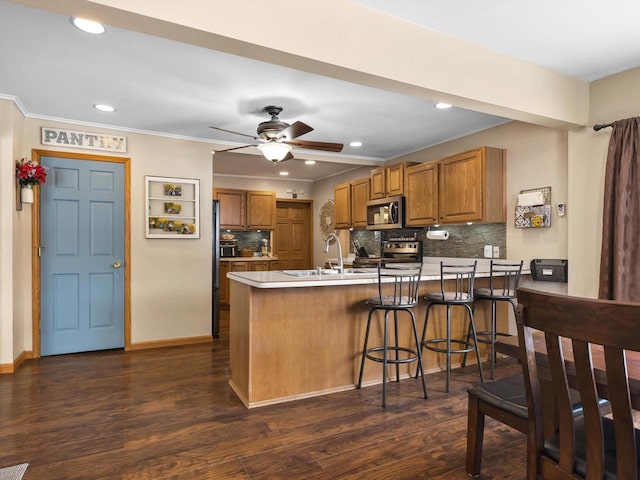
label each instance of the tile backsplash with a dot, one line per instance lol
(251, 239)
(465, 241)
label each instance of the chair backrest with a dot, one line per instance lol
(461, 277)
(505, 278)
(398, 284)
(588, 344)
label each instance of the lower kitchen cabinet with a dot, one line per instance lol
(227, 266)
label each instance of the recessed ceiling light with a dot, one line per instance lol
(284, 174)
(104, 108)
(355, 144)
(310, 162)
(88, 26)
(442, 105)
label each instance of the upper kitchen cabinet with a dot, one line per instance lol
(395, 180)
(387, 181)
(233, 205)
(342, 205)
(261, 210)
(351, 204)
(359, 199)
(472, 186)
(246, 210)
(421, 188)
(378, 183)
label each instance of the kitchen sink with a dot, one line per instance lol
(327, 272)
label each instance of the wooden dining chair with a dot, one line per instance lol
(587, 344)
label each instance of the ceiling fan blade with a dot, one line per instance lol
(235, 133)
(288, 156)
(325, 146)
(295, 130)
(234, 148)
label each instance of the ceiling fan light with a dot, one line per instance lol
(274, 151)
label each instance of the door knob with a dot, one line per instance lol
(117, 264)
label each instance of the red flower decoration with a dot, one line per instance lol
(29, 172)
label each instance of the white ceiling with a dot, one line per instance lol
(55, 71)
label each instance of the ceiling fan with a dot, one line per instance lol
(276, 138)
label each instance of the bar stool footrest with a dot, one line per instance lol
(426, 344)
(412, 358)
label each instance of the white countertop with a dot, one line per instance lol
(247, 259)
(277, 279)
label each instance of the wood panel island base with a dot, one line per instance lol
(293, 338)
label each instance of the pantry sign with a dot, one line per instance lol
(92, 141)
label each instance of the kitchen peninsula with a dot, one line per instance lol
(293, 337)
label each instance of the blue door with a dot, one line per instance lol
(82, 270)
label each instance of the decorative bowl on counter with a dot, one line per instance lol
(227, 236)
(246, 252)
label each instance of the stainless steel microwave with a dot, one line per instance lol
(385, 213)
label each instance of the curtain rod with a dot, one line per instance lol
(600, 126)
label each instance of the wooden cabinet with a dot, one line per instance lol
(342, 205)
(421, 187)
(261, 210)
(472, 186)
(387, 181)
(260, 266)
(246, 210)
(351, 204)
(394, 184)
(467, 187)
(227, 266)
(378, 183)
(233, 207)
(359, 199)
(275, 265)
(224, 282)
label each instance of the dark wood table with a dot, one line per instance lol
(509, 346)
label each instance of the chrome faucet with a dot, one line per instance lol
(326, 250)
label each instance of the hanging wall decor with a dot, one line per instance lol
(173, 207)
(533, 209)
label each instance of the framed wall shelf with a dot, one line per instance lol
(173, 207)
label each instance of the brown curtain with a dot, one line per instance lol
(620, 257)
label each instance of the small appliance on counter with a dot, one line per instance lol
(547, 270)
(228, 248)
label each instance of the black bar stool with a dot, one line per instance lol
(461, 277)
(397, 291)
(503, 284)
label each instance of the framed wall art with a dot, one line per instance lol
(173, 207)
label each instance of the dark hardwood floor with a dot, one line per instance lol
(170, 414)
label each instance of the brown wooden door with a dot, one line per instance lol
(421, 187)
(293, 234)
(359, 199)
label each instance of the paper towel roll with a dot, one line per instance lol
(437, 234)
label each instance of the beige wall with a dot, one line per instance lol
(612, 98)
(170, 279)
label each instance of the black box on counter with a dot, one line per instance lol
(547, 270)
